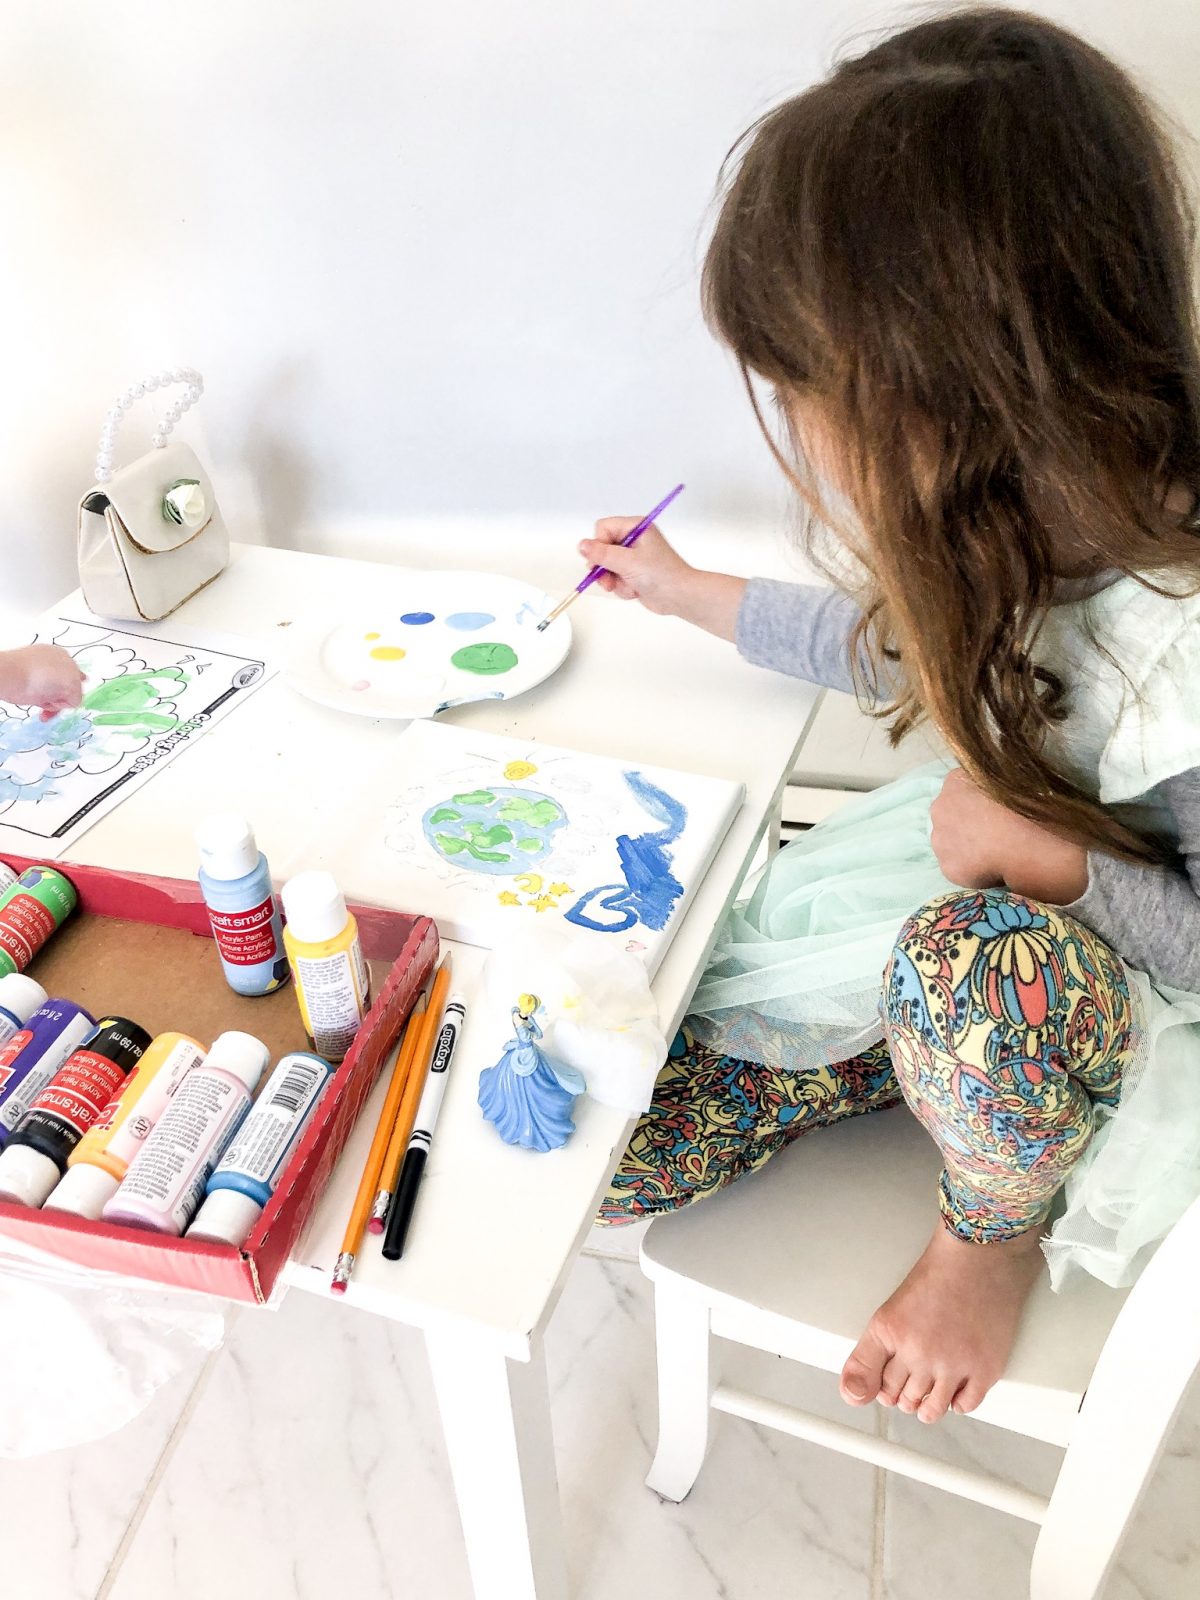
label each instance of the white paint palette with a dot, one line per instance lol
(437, 640)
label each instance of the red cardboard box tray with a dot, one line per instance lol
(121, 929)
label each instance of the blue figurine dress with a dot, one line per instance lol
(527, 1096)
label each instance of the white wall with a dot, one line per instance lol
(433, 259)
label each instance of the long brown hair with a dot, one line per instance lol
(969, 249)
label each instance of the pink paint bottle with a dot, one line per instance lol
(165, 1183)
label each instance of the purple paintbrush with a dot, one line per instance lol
(631, 537)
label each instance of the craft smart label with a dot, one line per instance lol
(246, 938)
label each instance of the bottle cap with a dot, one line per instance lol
(241, 1054)
(84, 1191)
(227, 847)
(226, 1217)
(21, 996)
(26, 1175)
(314, 906)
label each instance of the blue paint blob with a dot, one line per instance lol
(469, 621)
(417, 619)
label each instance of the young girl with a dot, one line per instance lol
(962, 265)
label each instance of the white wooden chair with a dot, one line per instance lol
(794, 1259)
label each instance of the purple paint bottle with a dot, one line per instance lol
(32, 1057)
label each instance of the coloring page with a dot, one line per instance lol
(145, 699)
(488, 835)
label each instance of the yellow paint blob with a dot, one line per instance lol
(370, 636)
(388, 652)
(516, 770)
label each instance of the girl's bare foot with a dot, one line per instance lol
(943, 1338)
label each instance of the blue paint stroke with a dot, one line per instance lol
(651, 889)
(469, 621)
(417, 619)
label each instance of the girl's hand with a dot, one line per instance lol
(40, 675)
(651, 571)
(981, 845)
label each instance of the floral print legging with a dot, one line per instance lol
(1006, 1024)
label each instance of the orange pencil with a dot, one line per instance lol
(407, 1112)
(414, 1032)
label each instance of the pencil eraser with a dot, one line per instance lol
(337, 1287)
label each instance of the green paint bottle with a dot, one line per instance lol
(31, 910)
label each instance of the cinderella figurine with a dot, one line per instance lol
(526, 1096)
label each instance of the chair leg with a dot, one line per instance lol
(1136, 1393)
(1099, 1487)
(684, 1391)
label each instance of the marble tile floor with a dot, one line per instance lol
(304, 1462)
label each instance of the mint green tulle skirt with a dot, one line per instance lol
(797, 974)
(796, 980)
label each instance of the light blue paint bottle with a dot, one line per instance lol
(236, 884)
(246, 1176)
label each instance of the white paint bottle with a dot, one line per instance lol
(165, 1183)
(20, 997)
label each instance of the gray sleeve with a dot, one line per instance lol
(1151, 915)
(799, 629)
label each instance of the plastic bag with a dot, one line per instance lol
(85, 1352)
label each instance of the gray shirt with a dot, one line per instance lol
(1148, 915)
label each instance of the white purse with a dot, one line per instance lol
(151, 534)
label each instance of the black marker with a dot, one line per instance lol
(413, 1166)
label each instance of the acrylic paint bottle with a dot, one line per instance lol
(332, 984)
(32, 1057)
(236, 884)
(35, 906)
(245, 1178)
(20, 997)
(104, 1154)
(7, 878)
(35, 1157)
(165, 1184)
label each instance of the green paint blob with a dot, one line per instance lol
(533, 813)
(488, 660)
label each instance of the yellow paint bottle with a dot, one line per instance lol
(332, 983)
(101, 1158)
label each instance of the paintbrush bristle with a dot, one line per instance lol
(557, 612)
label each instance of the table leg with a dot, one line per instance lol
(496, 1419)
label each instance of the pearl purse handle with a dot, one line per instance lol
(193, 388)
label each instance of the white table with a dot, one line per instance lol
(498, 1227)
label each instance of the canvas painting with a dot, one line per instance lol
(487, 835)
(145, 698)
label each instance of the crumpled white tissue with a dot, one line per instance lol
(86, 1352)
(599, 1015)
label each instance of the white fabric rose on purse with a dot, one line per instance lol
(184, 504)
